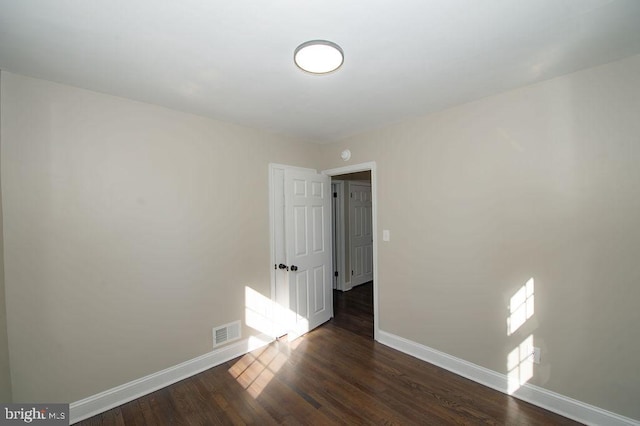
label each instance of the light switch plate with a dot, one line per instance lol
(386, 236)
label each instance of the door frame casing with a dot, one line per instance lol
(339, 246)
(363, 167)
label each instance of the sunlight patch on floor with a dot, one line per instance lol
(254, 371)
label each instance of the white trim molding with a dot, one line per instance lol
(555, 402)
(122, 394)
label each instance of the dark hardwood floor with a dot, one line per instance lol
(353, 310)
(335, 374)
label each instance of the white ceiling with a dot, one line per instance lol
(233, 60)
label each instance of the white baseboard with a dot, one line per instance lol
(122, 394)
(560, 404)
(565, 406)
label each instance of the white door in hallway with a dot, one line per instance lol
(360, 233)
(307, 214)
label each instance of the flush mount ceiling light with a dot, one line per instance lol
(318, 56)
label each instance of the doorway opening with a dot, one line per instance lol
(355, 248)
(302, 278)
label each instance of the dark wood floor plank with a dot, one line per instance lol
(336, 374)
(113, 417)
(132, 414)
(238, 406)
(162, 408)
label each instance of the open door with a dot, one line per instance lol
(360, 233)
(301, 237)
(308, 244)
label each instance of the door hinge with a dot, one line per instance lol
(335, 195)
(335, 274)
(352, 272)
(351, 195)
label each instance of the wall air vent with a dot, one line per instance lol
(226, 333)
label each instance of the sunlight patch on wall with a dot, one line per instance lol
(267, 316)
(520, 365)
(254, 372)
(520, 359)
(521, 307)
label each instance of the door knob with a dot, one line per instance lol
(294, 268)
(283, 266)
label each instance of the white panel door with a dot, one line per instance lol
(360, 233)
(308, 241)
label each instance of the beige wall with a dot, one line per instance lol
(539, 182)
(5, 376)
(130, 231)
